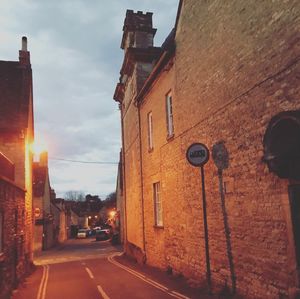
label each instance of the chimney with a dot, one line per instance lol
(43, 159)
(138, 31)
(24, 43)
(24, 55)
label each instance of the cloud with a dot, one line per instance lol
(76, 59)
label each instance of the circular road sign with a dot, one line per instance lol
(197, 154)
(37, 212)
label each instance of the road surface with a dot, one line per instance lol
(86, 269)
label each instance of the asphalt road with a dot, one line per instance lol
(86, 269)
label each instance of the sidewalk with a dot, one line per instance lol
(172, 282)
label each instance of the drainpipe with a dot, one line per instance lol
(124, 179)
(142, 181)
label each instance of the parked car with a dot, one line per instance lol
(102, 234)
(81, 234)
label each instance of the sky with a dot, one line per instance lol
(76, 60)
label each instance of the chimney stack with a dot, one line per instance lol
(43, 159)
(24, 55)
(24, 43)
(138, 31)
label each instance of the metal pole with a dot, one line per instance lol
(208, 274)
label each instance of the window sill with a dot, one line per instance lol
(158, 226)
(170, 137)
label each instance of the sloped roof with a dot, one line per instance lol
(7, 167)
(40, 175)
(168, 51)
(15, 87)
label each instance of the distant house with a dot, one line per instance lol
(74, 221)
(60, 219)
(44, 228)
(16, 137)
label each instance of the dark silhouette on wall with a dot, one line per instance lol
(221, 159)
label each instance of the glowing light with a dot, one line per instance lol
(112, 214)
(38, 147)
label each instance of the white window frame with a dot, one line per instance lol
(169, 115)
(158, 210)
(150, 130)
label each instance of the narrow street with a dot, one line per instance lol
(89, 269)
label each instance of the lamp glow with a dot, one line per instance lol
(38, 147)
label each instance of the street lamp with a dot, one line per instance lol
(112, 214)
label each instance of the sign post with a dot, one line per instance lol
(197, 155)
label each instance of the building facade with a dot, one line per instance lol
(60, 219)
(16, 137)
(44, 221)
(225, 77)
(12, 221)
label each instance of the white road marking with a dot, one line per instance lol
(89, 272)
(101, 291)
(46, 282)
(145, 278)
(180, 295)
(43, 285)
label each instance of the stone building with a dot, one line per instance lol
(12, 220)
(16, 135)
(227, 77)
(44, 227)
(60, 219)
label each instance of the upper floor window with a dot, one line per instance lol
(150, 131)
(169, 112)
(157, 205)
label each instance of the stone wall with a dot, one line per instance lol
(236, 66)
(133, 180)
(13, 263)
(16, 147)
(154, 102)
(246, 72)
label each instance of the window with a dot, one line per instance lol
(150, 131)
(169, 112)
(157, 205)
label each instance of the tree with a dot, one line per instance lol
(74, 195)
(111, 200)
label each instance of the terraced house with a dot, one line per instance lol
(227, 76)
(16, 136)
